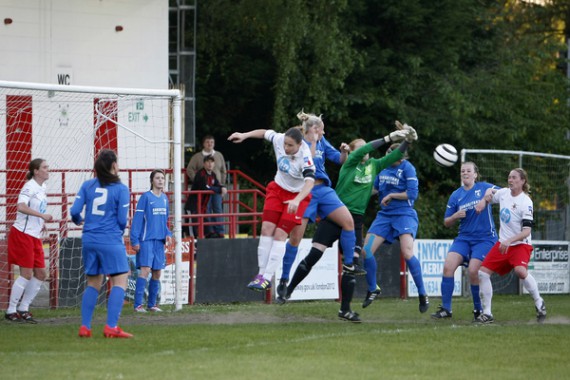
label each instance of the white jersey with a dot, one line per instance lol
(290, 168)
(34, 196)
(513, 211)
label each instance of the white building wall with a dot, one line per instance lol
(78, 38)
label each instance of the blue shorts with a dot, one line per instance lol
(151, 254)
(472, 248)
(324, 201)
(108, 259)
(390, 227)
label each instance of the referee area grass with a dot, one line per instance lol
(299, 340)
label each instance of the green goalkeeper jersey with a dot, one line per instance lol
(356, 179)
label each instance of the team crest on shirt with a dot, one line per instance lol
(308, 161)
(399, 173)
(283, 164)
(514, 206)
(505, 215)
(478, 193)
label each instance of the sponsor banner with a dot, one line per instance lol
(166, 296)
(432, 254)
(322, 281)
(550, 267)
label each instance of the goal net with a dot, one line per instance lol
(549, 179)
(67, 126)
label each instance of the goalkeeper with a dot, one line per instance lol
(354, 189)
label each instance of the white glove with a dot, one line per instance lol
(396, 136)
(412, 135)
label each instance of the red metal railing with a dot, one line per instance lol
(244, 205)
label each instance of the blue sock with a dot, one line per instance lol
(288, 260)
(370, 266)
(415, 269)
(139, 291)
(347, 242)
(447, 284)
(476, 297)
(153, 288)
(115, 305)
(88, 304)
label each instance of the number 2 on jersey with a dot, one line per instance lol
(99, 201)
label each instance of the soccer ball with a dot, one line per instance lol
(445, 155)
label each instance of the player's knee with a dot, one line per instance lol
(348, 277)
(521, 272)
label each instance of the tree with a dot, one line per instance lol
(476, 74)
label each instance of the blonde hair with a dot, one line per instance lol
(309, 120)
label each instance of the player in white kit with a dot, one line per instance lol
(514, 247)
(287, 197)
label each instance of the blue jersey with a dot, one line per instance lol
(324, 151)
(106, 210)
(150, 221)
(473, 225)
(398, 179)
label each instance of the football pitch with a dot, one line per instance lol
(299, 340)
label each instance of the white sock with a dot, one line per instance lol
(263, 249)
(529, 284)
(17, 290)
(486, 289)
(275, 258)
(32, 289)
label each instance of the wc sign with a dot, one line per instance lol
(63, 76)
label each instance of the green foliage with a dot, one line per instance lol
(475, 74)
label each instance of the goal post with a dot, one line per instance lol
(67, 126)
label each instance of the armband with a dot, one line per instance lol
(309, 173)
(527, 223)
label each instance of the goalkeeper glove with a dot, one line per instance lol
(412, 135)
(396, 136)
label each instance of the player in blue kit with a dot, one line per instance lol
(476, 237)
(149, 233)
(106, 203)
(397, 219)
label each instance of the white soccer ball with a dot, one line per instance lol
(445, 155)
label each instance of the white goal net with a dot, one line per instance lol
(67, 126)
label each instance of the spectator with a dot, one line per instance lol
(215, 200)
(205, 179)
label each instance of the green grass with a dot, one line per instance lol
(302, 340)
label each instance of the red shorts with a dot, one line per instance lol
(275, 209)
(24, 250)
(517, 255)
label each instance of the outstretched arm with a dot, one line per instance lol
(238, 137)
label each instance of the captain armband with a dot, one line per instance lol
(309, 173)
(527, 223)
